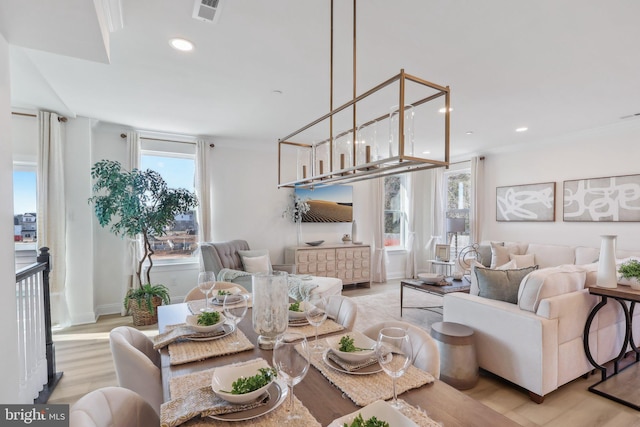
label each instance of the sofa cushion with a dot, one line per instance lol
(501, 285)
(500, 252)
(552, 255)
(549, 282)
(474, 290)
(523, 261)
(484, 255)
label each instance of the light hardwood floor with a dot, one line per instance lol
(83, 354)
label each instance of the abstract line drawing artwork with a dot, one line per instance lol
(531, 202)
(611, 199)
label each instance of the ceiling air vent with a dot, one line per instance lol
(206, 10)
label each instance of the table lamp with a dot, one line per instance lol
(455, 226)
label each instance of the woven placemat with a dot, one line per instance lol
(196, 305)
(179, 386)
(190, 351)
(366, 389)
(327, 327)
(417, 415)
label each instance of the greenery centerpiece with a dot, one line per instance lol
(630, 270)
(137, 203)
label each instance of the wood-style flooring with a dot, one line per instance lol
(83, 354)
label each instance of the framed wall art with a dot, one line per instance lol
(442, 253)
(530, 202)
(611, 199)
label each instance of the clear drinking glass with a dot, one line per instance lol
(206, 283)
(316, 313)
(395, 354)
(292, 364)
(235, 308)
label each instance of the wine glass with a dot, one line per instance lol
(206, 283)
(395, 354)
(316, 313)
(292, 364)
(235, 308)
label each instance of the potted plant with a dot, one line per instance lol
(630, 273)
(136, 203)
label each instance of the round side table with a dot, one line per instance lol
(458, 363)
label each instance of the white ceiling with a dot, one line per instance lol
(557, 67)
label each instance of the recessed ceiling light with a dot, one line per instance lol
(469, 132)
(181, 44)
(276, 92)
(522, 129)
(426, 152)
(443, 109)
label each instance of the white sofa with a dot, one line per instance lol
(537, 343)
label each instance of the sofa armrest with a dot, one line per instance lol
(517, 345)
(289, 268)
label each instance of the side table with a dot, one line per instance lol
(442, 267)
(621, 385)
(458, 362)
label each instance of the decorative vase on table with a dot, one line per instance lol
(607, 273)
(299, 230)
(354, 232)
(270, 310)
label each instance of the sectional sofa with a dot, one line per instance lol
(537, 343)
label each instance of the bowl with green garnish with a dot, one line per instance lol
(353, 347)
(243, 383)
(296, 310)
(205, 322)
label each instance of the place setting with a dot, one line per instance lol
(309, 317)
(251, 390)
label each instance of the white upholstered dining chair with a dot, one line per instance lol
(426, 355)
(137, 364)
(196, 293)
(112, 407)
(342, 309)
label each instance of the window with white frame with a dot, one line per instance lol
(177, 168)
(458, 202)
(24, 214)
(394, 212)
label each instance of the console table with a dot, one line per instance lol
(621, 385)
(348, 262)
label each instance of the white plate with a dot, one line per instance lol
(381, 410)
(192, 322)
(278, 392)
(227, 330)
(367, 370)
(359, 340)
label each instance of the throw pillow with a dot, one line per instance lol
(501, 285)
(499, 254)
(245, 255)
(257, 264)
(523, 261)
(474, 290)
(484, 255)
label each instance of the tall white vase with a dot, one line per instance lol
(354, 232)
(607, 274)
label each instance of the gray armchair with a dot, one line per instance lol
(216, 256)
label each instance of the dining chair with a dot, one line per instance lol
(196, 293)
(112, 407)
(342, 309)
(426, 355)
(137, 364)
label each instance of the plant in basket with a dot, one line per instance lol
(138, 203)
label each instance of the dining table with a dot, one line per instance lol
(326, 402)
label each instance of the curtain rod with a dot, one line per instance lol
(124, 135)
(62, 119)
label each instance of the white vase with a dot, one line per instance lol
(633, 282)
(354, 232)
(299, 231)
(607, 274)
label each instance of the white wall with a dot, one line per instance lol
(609, 151)
(9, 367)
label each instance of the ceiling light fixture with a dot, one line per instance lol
(386, 143)
(522, 129)
(183, 45)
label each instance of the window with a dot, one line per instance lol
(458, 190)
(178, 171)
(394, 214)
(24, 215)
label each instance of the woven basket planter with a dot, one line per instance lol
(141, 315)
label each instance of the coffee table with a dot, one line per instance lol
(454, 286)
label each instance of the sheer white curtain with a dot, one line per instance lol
(477, 198)
(438, 227)
(411, 265)
(379, 262)
(203, 190)
(52, 215)
(134, 245)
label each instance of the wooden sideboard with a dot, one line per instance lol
(348, 262)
